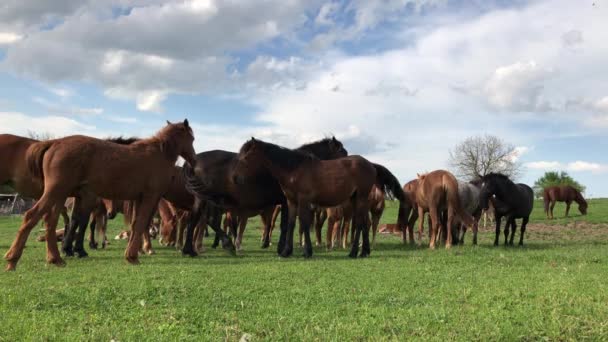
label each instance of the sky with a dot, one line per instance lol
(398, 81)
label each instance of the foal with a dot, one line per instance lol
(90, 167)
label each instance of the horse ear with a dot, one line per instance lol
(168, 122)
(252, 139)
(186, 123)
(333, 138)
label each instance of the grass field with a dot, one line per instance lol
(555, 288)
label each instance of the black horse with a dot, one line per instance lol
(211, 180)
(511, 200)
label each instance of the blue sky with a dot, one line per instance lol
(399, 81)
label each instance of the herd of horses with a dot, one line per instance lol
(314, 183)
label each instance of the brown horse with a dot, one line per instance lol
(410, 189)
(338, 224)
(437, 192)
(306, 180)
(376, 201)
(87, 168)
(14, 170)
(563, 193)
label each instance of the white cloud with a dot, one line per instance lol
(9, 38)
(575, 166)
(121, 119)
(20, 124)
(518, 87)
(544, 165)
(150, 101)
(67, 109)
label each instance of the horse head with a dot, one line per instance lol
(177, 140)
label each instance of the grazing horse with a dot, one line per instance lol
(512, 200)
(307, 180)
(469, 198)
(211, 179)
(89, 168)
(410, 188)
(437, 192)
(563, 193)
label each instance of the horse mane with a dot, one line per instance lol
(318, 148)
(497, 175)
(122, 140)
(286, 158)
(165, 138)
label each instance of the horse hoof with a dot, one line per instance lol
(286, 253)
(11, 266)
(132, 260)
(364, 255)
(57, 262)
(150, 252)
(82, 254)
(352, 255)
(93, 245)
(68, 253)
(192, 254)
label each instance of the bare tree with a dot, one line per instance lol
(480, 155)
(40, 135)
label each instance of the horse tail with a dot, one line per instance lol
(453, 199)
(389, 185)
(35, 155)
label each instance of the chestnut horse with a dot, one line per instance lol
(563, 193)
(307, 180)
(437, 192)
(512, 200)
(89, 167)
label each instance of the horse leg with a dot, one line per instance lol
(85, 209)
(346, 227)
(375, 222)
(475, 230)
(68, 235)
(513, 229)
(568, 203)
(365, 227)
(194, 217)
(552, 206)
(216, 220)
(331, 232)
(267, 218)
(497, 219)
(507, 227)
(147, 241)
(242, 225)
(30, 219)
(421, 224)
(52, 252)
(318, 221)
(201, 225)
(356, 231)
(292, 211)
(103, 230)
(143, 210)
(306, 217)
(92, 243)
(434, 226)
(448, 226)
(410, 226)
(524, 223)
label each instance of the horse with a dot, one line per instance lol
(307, 180)
(14, 170)
(73, 242)
(338, 223)
(88, 168)
(563, 193)
(410, 188)
(437, 192)
(469, 198)
(511, 200)
(211, 179)
(376, 201)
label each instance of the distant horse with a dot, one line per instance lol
(437, 192)
(89, 167)
(469, 198)
(211, 179)
(512, 200)
(338, 223)
(307, 180)
(563, 193)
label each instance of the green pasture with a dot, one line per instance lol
(554, 288)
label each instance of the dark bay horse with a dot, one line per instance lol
(211, 179)
(307, 180)
(511, 200)
(90, 168)
(563, 193)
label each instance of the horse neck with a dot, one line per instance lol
(159, 145)
(578, 198)
(508, 192)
